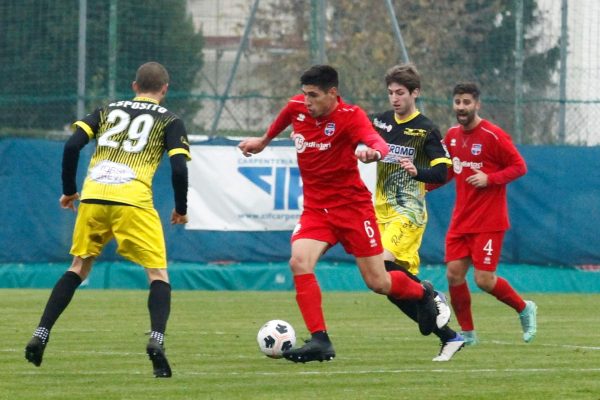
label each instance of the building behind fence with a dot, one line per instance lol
(234, 62)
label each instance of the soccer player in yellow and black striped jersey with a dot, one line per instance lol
(416, 157)
(116, 200)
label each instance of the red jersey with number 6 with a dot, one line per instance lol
(325, 148)
(489, 149)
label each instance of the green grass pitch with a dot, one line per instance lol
(97, 350)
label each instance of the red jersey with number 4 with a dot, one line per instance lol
(489, 149)
(325, 148)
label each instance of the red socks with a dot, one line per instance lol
(308, 297)
(460, 298)
(404, 288)
(506, 294)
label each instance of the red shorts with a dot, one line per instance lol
(353, 225)
(483, 248)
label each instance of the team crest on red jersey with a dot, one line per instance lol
(330, 128)
(476, 149)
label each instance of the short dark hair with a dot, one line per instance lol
(151, 77)
(405, 75)
(323, 76)
(467, 88)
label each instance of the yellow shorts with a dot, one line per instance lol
(402, 238)
(138, 233)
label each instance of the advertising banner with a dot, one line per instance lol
(230, 192)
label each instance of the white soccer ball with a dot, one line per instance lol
(276, 336)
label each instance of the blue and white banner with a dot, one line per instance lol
(230, 192)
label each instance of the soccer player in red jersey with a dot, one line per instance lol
(484, 160)
(337, 204)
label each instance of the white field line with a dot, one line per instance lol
(565, 346)
(288, 373)
(211, 355)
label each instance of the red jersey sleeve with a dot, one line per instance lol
(283, 120)
(513, 162)
(366, 134)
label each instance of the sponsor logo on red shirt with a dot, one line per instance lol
(458, 165)
(301, 144)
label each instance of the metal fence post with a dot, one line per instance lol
(81, 57)
(112, 49)
(243, 44)
(317, 31)
(518, 106)
(564, 43)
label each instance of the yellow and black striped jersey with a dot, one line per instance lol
(131, 137)
(418, 139)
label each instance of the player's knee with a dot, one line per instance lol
(454, 278)
(82, 266)
(157, 274)
(485, 282)
(456, 271)
(83, 274)
(300, 265)
(379, 286)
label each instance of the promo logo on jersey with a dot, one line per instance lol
(415, 132)
(301, 117)
(330, 129)
(452, 142)
(301, 144)
(476, 149)
(382, 125)
(398, 152)
(458, 165)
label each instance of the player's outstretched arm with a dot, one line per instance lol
(254, 145)
(368, 155)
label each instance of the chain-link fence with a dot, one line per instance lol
(233, 63)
